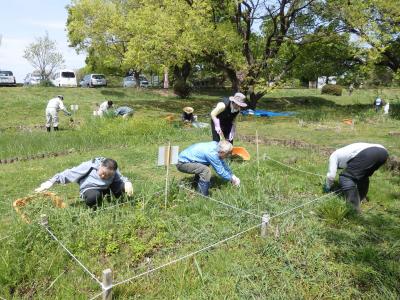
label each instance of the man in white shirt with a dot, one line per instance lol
(53, 106)
(359, 161)
(104, 107)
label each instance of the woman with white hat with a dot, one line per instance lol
(223, 117)
(188, 116)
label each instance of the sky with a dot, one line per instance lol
(25, 20)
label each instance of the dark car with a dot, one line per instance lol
(93, 80)
(7, 78)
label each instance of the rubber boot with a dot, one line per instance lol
(48, 129)
(203, 187)
(195, 181)
(353, 197)
(55, 128)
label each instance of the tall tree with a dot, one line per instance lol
(44, 56)
(376, 23)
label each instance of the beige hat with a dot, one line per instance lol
(238, 98)
(188, 109)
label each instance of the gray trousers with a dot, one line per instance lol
(200, 170)
(51, 116)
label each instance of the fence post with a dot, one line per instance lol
(264, 225)
(44, 221)
(107, 284)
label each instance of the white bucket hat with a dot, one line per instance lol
(188, 109)
(238, 98)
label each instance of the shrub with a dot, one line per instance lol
(332, 89)
(46, 83)
(182, 89)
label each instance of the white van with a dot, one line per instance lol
(64, 78)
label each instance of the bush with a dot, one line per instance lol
(332, 89)
(46, 83)
(182, 89)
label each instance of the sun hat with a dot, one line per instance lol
(238, 98)
(188, 109)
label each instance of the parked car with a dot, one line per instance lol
(93, 80)
(64, 78)
(7, 78)
(32, 79)
(130, 81)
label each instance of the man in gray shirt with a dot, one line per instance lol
(96, 178)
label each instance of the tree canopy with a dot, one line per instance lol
(44, 56)
(255, 42)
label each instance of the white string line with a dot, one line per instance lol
(205, 248)
(304, 204)
(298, 170)
(223, 203)
(73, 256)
(178, 259)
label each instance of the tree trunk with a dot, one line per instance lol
(182, 73)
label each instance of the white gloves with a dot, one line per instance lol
(235, 180)
(128, 188)
(217, 125)
(44, 186)
(232, 133)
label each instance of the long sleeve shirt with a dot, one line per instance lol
(103, 107)
(207, 154)
(57, 104)
(342, 156)
(87, 177)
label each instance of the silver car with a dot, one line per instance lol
(93, 80)
(7, 78)
(130, 81)
(32, 79)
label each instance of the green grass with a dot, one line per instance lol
(323, 250)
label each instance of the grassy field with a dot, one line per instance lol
(320, 250)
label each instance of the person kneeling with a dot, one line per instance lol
(197, 158)
(96, 178)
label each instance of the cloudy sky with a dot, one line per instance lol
(23, 21)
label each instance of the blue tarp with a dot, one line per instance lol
(266, 113)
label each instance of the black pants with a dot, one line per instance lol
(94, 197)
(354, 180)
(226, 130)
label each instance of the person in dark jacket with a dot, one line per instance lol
(223, 117)
(188, 116)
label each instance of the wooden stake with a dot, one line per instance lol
(264, 225)
(167, 162)
(258, 158)
(107, 284)
(44, 221)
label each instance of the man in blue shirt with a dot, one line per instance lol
(96, 178)
(197, 158)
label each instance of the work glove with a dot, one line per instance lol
(235, 181)
(44, 186)
(232, 133)
(326, 188)
(128, 188)
(217, 125)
